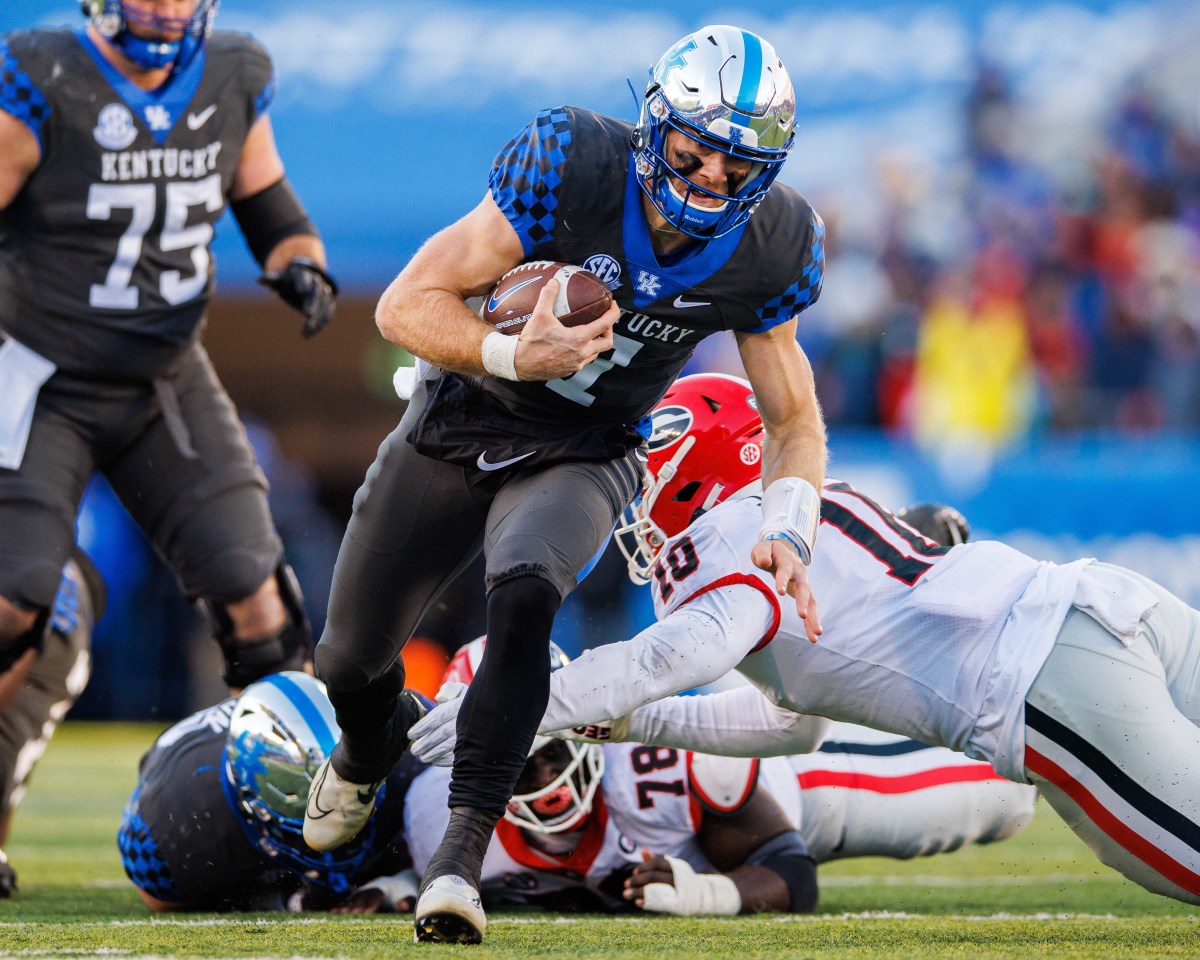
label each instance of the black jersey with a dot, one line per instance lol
(567, 186)
(105, 266)
(181, 841)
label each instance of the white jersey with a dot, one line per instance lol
(937, 644)
(865, 793)
(649, 800)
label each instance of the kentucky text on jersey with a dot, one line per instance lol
(159, 162)
(650, 329)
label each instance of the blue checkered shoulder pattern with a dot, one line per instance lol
(804, 292)
(527, 173)
(265, 98)
(18, 95)
(140, 856)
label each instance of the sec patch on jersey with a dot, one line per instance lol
(581, 297)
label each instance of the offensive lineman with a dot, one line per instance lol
(528, 447)
(605, 827)
(214, 822)
(1082, 679)
(120, 146)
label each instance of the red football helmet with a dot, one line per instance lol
(564, 800)
(706, 445)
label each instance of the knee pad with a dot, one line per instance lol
(341, 674)
(78, 604)
(248, 659)
(521, 602)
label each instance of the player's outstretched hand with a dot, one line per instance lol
(394, 894)
(370, 900)
(652, 869)
(791, 579)
(307, 287)
(670, 885)
(547, 350)
(434, 735)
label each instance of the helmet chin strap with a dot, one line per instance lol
(112, 23)
(147, 54)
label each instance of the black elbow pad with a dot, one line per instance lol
(787, 855)
(269, 216)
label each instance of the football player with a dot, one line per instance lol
(42, 686)
(121, 144)
(1082, 679)
(215, 820)
(677, 832)
(529, 448)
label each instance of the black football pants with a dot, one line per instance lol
(417, 523)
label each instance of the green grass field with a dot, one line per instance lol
(1039, 895)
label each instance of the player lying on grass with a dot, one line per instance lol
(663, 830)
(214, 821)
(1083, 679)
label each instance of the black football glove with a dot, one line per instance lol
(308, 288)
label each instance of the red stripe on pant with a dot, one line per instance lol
(908, 783)
(1107, 821)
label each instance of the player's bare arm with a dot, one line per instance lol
(259, 167)
(424, 309)
(795, 447)
(19, 157)
(763, 866)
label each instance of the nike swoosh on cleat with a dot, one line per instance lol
(196, 120)
(314, 808)
(483, 464)
(684, 304)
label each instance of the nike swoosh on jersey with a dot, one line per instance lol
(483, 464)
(494, 301)
(684, 304)
(196, 120)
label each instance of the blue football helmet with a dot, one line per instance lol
(726, 88)
(112, 18)
(281, 731)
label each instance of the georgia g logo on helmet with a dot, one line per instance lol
(669, 425)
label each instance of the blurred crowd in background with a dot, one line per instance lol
(1070, 305)
(1017, 294)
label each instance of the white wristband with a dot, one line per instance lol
(500, 355)
(691, 894)
(791, 509)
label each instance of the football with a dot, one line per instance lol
(581, 296)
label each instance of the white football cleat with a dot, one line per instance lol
(449, 911)
(337, 809)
